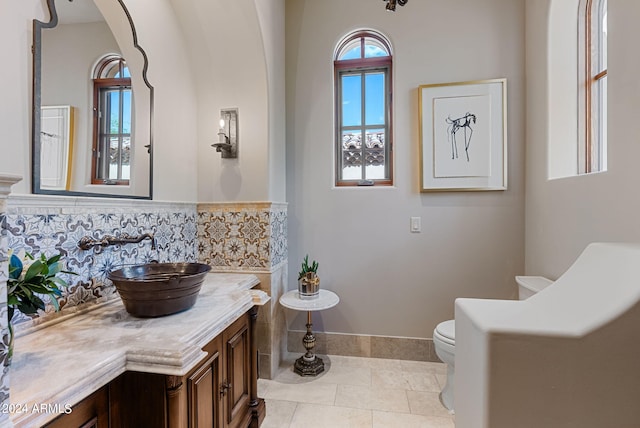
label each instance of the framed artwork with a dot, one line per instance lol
(56, 139)
(463, 136)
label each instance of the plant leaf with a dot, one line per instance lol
(35, 269)
(54, 268)
(59, 281)
(54, 303)
(54, 259)
(15, 267)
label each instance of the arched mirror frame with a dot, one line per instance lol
(36, 188)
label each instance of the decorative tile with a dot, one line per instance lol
(51, 232)
(5, 186)
(242, 236)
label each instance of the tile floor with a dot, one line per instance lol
(357, 392)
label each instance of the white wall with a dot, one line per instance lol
(563, 90)
(15, 103)
(271, 14)
(226, 50)
(392, 282)
(564, 215)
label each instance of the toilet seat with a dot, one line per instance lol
(446, 332)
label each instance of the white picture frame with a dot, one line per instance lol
(463, 136)
(56, 142)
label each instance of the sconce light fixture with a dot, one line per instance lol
(227, 143)
(391, 4)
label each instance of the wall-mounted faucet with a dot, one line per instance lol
(87, 242)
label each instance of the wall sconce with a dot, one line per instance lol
(227, 143)
(391, 4)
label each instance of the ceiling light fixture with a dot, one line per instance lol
(391, 4)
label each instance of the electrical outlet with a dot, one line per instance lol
(416, 225)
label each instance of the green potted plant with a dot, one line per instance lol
(308, 280)
(29, 279)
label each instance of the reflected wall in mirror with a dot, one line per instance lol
(92, 103)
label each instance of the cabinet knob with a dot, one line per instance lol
(224, 387)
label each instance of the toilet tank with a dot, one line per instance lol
(530, 285)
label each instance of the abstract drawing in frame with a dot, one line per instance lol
(463, 136)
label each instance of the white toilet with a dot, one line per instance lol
(444, 335)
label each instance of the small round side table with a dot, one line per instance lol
(309, 364)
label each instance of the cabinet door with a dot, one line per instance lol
(138, 400)
(238, 373)
(92, 412)
(204, 394)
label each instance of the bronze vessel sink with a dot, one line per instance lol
(158, 289)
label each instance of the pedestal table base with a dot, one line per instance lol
(309, 364)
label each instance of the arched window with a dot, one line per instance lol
(112, 107)
(362, 67)
(593, 85)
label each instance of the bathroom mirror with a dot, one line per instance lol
(92, 103)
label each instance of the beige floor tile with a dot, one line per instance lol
(419, 381)
(426, 403)
(384, 364)
(346, 361)
(279, 413)
(362, 397)
(347, 375)
(357, 392)
(442, 380)
(315, 392)
(263, 385)
(423, 366)
(393, 420)
(393, 379)
(317, 416)
(287, 375)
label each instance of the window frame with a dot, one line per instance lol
(362, 66)
(592, 98)
(101, 85)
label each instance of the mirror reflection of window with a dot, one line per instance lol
(112, 105)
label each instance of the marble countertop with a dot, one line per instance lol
(63, 363)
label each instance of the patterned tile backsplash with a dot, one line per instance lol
(229, 236)
(242, 236)
(58, 230)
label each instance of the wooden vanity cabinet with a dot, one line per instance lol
(221, 392)
(92, 412)
(218, 391)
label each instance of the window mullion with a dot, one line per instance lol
(363, 123)
(119, 137)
